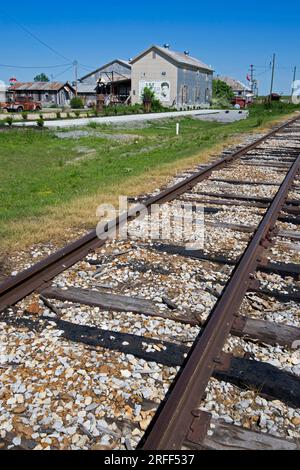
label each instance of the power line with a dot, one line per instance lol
(34, 36)
(64, 71)
(87, 67)
(33, 66)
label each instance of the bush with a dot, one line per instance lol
(221, 103)
(77, 113)
(148, 94)
(24, 115)
(76, 103)
(8, 120)
(58, 115)
(40, 122)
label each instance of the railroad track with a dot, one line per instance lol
(194, 322)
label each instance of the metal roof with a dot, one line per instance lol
(236, 85)
(86, 88)
(120, 61)
(38, 86)
(178, 57)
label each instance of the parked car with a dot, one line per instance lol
(21, 104)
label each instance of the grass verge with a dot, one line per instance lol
(51, 187)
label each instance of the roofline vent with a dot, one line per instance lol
(167, 46)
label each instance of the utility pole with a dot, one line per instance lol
(294, 78)
(252, 77)
(75, 64)
(272, 77)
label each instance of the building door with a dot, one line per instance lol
(207, 95)
(184, 94)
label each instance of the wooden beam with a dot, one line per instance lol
(105, 301)
(113, 302)
(265, 331)
(245, 373)
(242, 197)
(224, 436)
(281, 268)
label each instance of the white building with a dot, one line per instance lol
(3, 89)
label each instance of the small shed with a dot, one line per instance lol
(48, 93)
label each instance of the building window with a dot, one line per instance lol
(133, 92)
(153, 55)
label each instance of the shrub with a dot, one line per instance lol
(92, 125)
(9, 120)
(76, 103)
(58, 115)
(77, 113)
(220, 103)
(148, 94)
(24, 115)
(40, 122)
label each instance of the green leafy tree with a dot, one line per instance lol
(42, 77)
(221, 90)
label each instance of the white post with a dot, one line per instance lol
(177, 128)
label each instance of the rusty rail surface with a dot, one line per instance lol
(17, 287)
(179, 417)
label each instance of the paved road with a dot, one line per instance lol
(120, 119)
(225, 116)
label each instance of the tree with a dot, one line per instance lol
(42, 77)
(221, 90)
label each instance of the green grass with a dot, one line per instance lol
(39, 171)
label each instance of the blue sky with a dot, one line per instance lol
(227, 35)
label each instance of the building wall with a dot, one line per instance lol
(187, 87)
(155, 69)
(115, 67)
(3, 89)
(194, 87)
(60, 98)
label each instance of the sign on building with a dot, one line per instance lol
(160, 88)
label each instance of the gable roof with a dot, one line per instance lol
(39, 86)
(119, 61)
(86, 88)
(180, 58)
(236, 85)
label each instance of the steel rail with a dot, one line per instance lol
(177, 416)
(17, 287)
